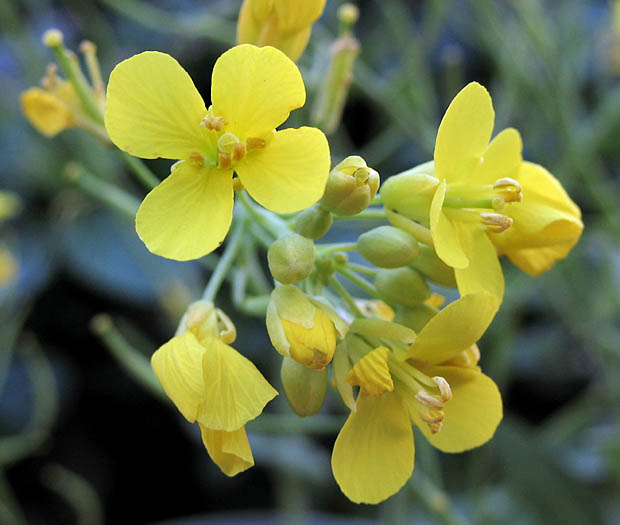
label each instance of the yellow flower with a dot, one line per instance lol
(546, 225)
(303, 328)
(154, 110)
(210, 382)
(433, 383)
(53, 111)
(475, 193)
(285, 24)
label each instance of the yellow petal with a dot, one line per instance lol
(501, 159)
(294, 16)
(290, 173)
(373, 454)
(314, 346)
(235, 391)
(342, 367)
(154, 110)
(372, 373)
(471, 416)
(229, 450)
(484, 271)
(445, 235)
(547, 223)
(464, 133)
(188, 214)
(255, 89)
(454, 329)
(178, 367)
(46, 112)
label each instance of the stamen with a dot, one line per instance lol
(255, 143)
(239, 151)
(213, 123)
(227, 330)
(196, 159)
(444, 388)
(510, 189)
(224, 161)
(495, 222)
(429, 401)
(433, 417)
(89, 50)
(435, 427)
(50, 80)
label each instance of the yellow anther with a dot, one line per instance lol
(429, 401)
(255, 143)
(237, 184)
(239, 151)
(507, 182)
(432, 417)
(495, 222)
(214, 123)
(223, 161)
(196, 159)
(509, 189)
(86, 46)
(444, 388)
(435, 427)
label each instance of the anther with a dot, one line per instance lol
(224, 161)
(239, 151)
(433, 417)
(435, 427)
(509, 189)
(429, 401)
(444, 388)
(214, 123)
(196, 159)
(255, 143)
(495, 222)
(50, 79)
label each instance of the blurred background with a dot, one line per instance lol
(81, 441)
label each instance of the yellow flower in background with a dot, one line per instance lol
(433, 383)
(210, 382)
(546, 224)
(154, 110)
(52, 111)
(284, 24)
(477, 192)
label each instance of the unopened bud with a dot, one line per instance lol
(410, 195)
(388, 247)
(433, 268)
(305, 388)
(291, 258)
(351, 186)
(404, 286)
(314, 222)
(415, 317)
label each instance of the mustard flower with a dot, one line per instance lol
(210, 382)
(432, 382)
(154, 110)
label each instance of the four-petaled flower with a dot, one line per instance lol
(154, 110)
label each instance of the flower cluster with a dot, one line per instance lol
(397, 358)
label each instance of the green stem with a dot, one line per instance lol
(82, 89)
(142, 172)
(360, 268)
(347, 297)
(107, 193)
(326, 249)
(230, 253)
(360, 282)
(267, 220)
(131, 360)
(368, 214)
(436, 500)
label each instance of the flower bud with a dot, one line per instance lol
(303, 328)
(291, 258)
(433, 268)
(404, 286)
(415, 317)
(304, 387)
(388, 247)
(314, 222)
(350, 188)
(410, 194)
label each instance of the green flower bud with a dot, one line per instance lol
(388, 247)
(415, 317)
(351, 186)
(433, 267)
(291, 258)
(410, 194)
(304, 387)
(314, 222)
(404, 286)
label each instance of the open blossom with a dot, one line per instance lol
(432, 382)
(154, 110)
(210, 382)
(479, 197)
